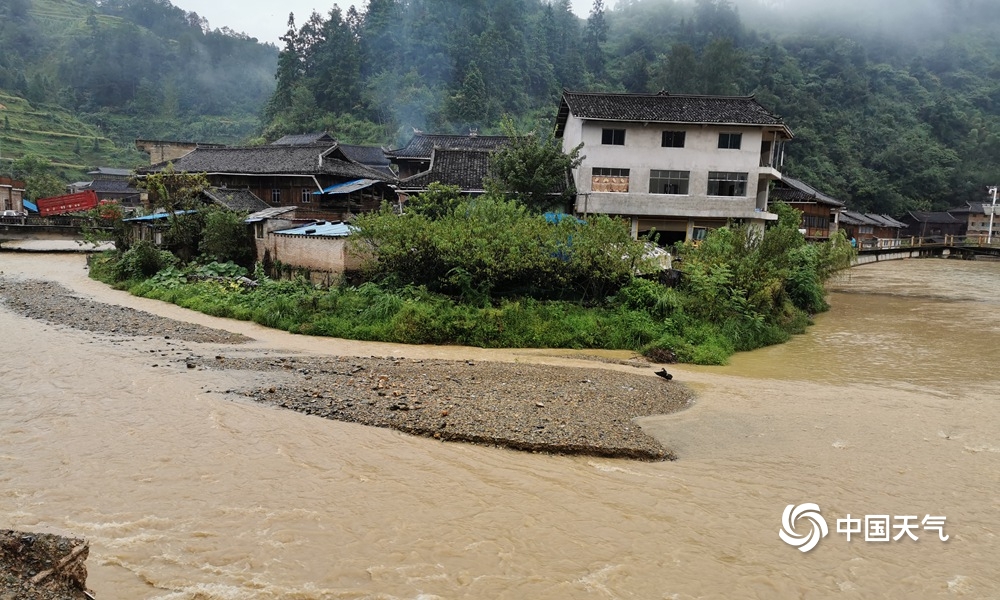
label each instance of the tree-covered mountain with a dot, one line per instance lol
(895, 105)
(122, 69)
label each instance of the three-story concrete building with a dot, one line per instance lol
(679, 164)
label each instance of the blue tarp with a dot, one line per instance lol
(29, 205)
(554, 218)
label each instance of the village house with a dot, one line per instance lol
(976, 216)
(318, 250)
(320, 180)
(161, 151)
(820, 213)
(417, 156)
(110, 185)
(933, 226)
(11, 195)
(679, 164)
(372, 157)
(870, 230)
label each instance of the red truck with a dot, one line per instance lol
(69, 203)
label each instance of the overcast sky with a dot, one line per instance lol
(267, 20)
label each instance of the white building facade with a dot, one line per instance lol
(680, 165)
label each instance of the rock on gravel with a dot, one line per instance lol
(53, 303)
(525, 407)
(42, 567)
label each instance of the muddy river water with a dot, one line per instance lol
(889, 406)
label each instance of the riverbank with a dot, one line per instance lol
(537, 408)
(42, 567)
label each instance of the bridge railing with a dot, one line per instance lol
(941, 241)
(53, 221)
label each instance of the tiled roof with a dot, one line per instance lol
(305, 139)
(111, 172)
(112, 186)
(465, 168)
(664, 108)
(933, 217)
(850, 217)
(370, 156)
(794, 190)
(885, 221)
(236, 200)
(422, 145)
(268, 160)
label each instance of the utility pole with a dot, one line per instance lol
(993, 211)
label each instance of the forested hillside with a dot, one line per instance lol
(895, 105)
(90, 76)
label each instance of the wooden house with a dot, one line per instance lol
(321, 181)
(820, 213)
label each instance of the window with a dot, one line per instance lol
(609, 180)
(673, 139)
(258, 229)
(275, 196)
(306, 196)
(668, 182)
(613, 137)
(721, 183)
(730, 141)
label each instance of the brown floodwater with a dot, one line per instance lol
(887, 406)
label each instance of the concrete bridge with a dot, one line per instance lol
(42, 228)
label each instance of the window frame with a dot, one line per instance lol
(727, 178)
(615, 135)
(664, 177)
(306, 196)
(726, 141)
(275, 195)
(672, 135)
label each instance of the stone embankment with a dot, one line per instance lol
(42, 567)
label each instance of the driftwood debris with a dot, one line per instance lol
(69, 558)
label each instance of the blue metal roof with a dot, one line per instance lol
(321, 229)
(159, 216)
(348, 186)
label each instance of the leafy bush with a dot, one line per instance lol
(141, 261)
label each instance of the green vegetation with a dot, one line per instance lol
(80, 80)
(489, 273)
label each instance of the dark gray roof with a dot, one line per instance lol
(933, 217)
(422, 145)
(793, 190)
(305, 139)
(465, 168)
(665, 108)
(109, 186)
(370, 156)
(850, 217)
(269, 160)
(236, 200)
(110, 172)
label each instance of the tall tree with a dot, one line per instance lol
(594, 36)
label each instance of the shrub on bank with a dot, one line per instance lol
(742, 288)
